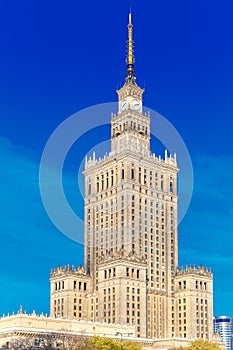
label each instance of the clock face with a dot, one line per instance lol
(124, 105)
(136, 105)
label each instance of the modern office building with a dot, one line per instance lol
(223, 325)
(130, 275)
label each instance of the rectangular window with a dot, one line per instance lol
(132, 174)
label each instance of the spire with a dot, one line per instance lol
(130, 56)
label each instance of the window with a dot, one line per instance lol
(162, 186)
(132, 174)
(171, 187)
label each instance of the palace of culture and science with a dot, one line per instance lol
(130, 274)
(130, 277)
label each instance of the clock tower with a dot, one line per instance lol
(130, 127)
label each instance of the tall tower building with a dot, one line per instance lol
(131, 238)
(131, 199)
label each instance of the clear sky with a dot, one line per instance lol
(58, 57)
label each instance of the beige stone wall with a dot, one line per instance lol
(68, 293)
(122, 292)
(157, 315)
(141, 213)
(194, 303)
(47, 324)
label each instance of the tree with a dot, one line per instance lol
(201, 344)
(129, 345)
(98, 343)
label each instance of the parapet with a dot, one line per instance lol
(122, 255)
(68, 270)
(169, 160)
(192, 269)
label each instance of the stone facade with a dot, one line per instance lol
(122, 292)
(194, 303)
(69, 293)
(38, 328)
(23, 325)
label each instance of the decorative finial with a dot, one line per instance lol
(130, 56)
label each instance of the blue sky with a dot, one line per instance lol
(58, 58)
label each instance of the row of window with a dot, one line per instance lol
(147, 205)
(132, 306)
(110, 273)
(79, 301)
(133, 290)
(202, 301)
(142, 174)
(135, 273)
(150, 192)
(127, 126)
(201, 285)
(59, 285)
(58, 308)
(132, 297)
(106, 180)
(77, 308)
(81, 286)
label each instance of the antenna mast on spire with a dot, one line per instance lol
(130, 56)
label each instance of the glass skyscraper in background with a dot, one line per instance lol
(223, 325)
